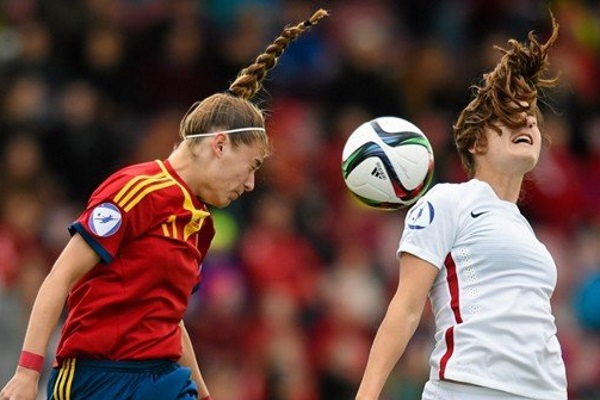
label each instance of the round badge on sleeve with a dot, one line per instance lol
(105, 220)
(421, 216)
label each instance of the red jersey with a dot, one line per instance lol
(152, 234)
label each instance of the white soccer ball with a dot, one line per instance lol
(387, 163)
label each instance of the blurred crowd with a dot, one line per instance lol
(300, 273)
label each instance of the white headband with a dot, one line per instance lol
(197, 135)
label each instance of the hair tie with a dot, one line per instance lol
(230, 92)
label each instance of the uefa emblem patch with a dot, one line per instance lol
(105, 220)
(421, 216)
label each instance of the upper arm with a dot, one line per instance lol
(415, 280)
(76, 260)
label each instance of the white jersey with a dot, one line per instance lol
(491, 298)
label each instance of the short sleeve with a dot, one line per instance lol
(431, 225)
(105, 225)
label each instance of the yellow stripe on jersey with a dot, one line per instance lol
(132, 182)
(197, 215)
(140, 189)
(169, 228)
(157, 185)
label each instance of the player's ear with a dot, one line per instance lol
(218, 143)
(477, 147)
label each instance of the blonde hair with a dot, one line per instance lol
(516, 80)
(233, 108)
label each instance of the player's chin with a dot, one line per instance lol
(230, 199)
(527, 165)
(526, 161)
(223, 204)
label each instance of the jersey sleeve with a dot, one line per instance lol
(109, 220)
(431, 226)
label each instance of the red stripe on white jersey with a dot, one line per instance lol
(449, 336)
(452, 281)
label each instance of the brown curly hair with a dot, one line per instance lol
(504, 94)
(233, 108)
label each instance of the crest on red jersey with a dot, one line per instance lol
(105, 220)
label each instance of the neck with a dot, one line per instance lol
(506, 187)
(181, 163)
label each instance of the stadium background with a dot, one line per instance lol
(300, 274)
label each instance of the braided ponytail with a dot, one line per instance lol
(232, 109)
(248, 81)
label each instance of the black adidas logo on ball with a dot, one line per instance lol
(378, 172)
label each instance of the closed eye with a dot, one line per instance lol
(256, 164)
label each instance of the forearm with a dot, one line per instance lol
(389, 344)
(45, 314)
(188, 359)
(42, 322)
(73, 263)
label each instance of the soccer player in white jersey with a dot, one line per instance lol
(467, 247)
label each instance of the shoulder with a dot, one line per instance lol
(447, 192)
(447, 200)
(128, 185)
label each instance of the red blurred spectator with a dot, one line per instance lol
(554, 192)
(275, 255)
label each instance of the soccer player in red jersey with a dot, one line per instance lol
(132, 263)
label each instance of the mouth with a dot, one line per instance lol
(523, 138)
